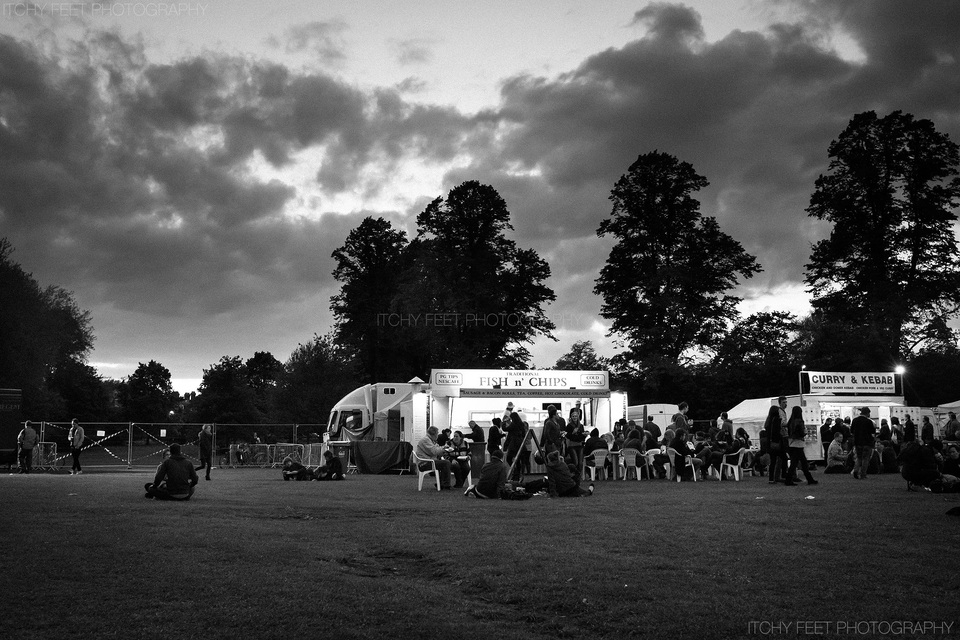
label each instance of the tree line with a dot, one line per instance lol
(885, 285)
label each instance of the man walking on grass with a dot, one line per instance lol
(76, 438)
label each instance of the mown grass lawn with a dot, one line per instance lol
(254, 557)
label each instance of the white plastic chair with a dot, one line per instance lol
(431, 469)
(599, 463)
(648, 460)
(628, 460)
(735, 468)
(672, 454)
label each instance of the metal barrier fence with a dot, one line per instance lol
(136, 443)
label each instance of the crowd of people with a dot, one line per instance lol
(856, 447)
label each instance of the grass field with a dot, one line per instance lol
(254, 557)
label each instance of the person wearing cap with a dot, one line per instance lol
(75, 438)
(505, 418)
(176, 478)
(26, 441)
(863, 431)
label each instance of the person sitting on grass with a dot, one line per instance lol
(562, 481)
(176, 478)
(888, 457)
(332, 469)
(918, 464)
(951, 463)
(293, 470)
(836, 456)
(493, 478)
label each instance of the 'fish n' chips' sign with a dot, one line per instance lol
(867, 383)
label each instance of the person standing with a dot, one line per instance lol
(680, 418)
(76, 437)
(552, 428)
(775, 445)
(909, 429)
(513, 443)
(495, 436)
(206, 449)
(797, 433)
(826, 437)
(863, 431)
(576, 435)
(951, 431)
(26, 441)
(926, 430)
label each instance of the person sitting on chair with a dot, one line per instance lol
(176, 478)
(293, 470)
(332, 469)
(427, 448)
(459, 458)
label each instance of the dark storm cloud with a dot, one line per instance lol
(754, 112)
(135, 184)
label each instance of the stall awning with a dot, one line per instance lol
(533, 393)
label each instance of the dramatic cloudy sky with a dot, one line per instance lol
(187, 176)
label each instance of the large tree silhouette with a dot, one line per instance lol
(666, 283)
(889, 266)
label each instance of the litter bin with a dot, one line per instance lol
(478, 457)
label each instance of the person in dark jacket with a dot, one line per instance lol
(918, 464)
(553, 427)
(293, 470)
(926, 430)
(826, 436)
(494, 436)
(561, 480)
(331, 470)
(493, 478)
(776, 445)
(863, 431)
(576, 436)
(476, 432)
(205, 440)
(514, 441)
(175, 479)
